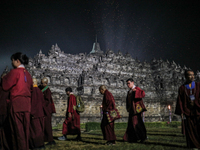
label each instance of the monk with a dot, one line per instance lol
(49, 108)
(19, 82)
(106, 127)
(71, 125)
(4, 96)
(188, 106)
(134, 104)
(37, 118)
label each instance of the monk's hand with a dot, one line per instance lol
(69, 115)
(134, 89)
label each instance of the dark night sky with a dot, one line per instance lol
(145, 29)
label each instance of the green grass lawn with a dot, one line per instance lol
(158, 139)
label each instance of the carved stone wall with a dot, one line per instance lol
(86, 72)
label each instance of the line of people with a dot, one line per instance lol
(136, 130)
(188, 106)
(30, 108)
(26, 111)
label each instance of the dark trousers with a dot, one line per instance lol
(107, 129)
(72, 126)
(48, 135)
(20, 123)
(36, 132)
(3, 141)
(136, 129)
(192, 131)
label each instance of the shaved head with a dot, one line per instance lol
(102, 87)
(45, 80)
(34, 81)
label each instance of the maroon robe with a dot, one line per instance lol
(19, 82)
(3, 116)
(71, 125)
(191, 110)
(49, 108)
(37, 119)
(136, 129)
(106, 127)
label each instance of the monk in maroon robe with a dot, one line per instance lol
(49, 108)
(188, 106)
(134, 104)
(19, 82)
(71, 125)
(106, 127)
(37, 118)
(3, 116)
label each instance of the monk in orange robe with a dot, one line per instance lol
(71, 125)
(188, 106)
(134, 104)
(106, 127)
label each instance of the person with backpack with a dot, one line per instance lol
(71, 125)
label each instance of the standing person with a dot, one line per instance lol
(49, 109)
(19, 82)
(134, 104)
(106, 127)
(4, 96)
(188, 106)
(71, 125)
(37, 118)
